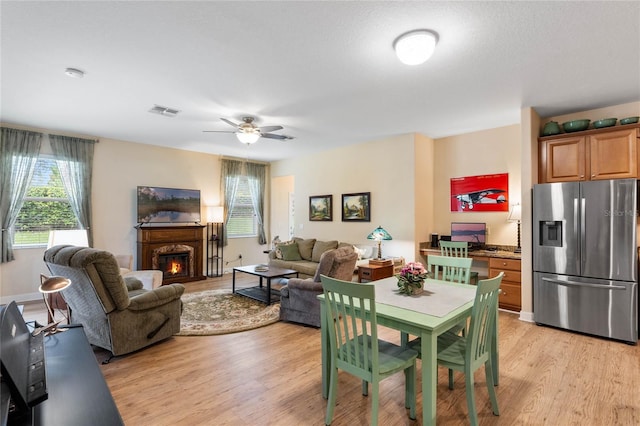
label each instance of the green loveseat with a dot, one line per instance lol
(303, 255)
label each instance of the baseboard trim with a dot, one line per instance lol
(526, 316)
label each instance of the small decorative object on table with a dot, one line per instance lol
(411, 278)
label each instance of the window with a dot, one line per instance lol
(46, 207)
(242, 218)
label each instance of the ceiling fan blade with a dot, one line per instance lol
(274, 136)
(229, 122)
(266, 129)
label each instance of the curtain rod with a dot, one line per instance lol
(43, 131)
(244, 160)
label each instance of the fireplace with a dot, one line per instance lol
(174, 260)
(174, 250)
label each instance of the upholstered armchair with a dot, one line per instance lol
(117, 315)
(298, 298)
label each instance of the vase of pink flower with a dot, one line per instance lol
(411, 278)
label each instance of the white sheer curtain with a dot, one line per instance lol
(19, 150)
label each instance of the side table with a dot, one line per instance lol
(374, 272)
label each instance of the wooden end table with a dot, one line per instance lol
(374, 272)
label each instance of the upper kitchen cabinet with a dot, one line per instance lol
(610, 153)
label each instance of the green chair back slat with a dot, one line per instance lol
(454, 248)
(457, 249)
(452, 269)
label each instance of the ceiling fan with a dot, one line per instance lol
(247, 132)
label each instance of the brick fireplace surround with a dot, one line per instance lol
(175, 250)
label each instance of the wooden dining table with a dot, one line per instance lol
(441, 306)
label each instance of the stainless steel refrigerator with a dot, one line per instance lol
(585, 257)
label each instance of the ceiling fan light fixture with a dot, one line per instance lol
(248, 138)
(415, 47)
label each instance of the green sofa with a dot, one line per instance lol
(303, 255)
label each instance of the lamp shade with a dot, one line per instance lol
(415, 47)
(215, 214)
(74, 237)
(248, 137)
(515, 215)
(53, 284)
(379, 234)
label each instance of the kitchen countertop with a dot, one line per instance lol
(480, 254)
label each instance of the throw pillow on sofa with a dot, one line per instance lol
(305, 247)
(320, 247)
(278, 251)
(290, 252)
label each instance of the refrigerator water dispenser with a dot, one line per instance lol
(551, 233)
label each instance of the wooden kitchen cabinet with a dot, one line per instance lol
(610, 153)
(563, 160)
(614, 155)
(511, 296)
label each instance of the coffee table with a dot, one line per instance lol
(259, 292)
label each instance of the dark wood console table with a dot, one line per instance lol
(78, 393)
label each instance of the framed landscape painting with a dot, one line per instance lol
(321, 208)
(356, 207)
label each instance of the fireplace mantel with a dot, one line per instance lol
(153, 240)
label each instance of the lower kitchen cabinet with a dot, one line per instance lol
(510, 298)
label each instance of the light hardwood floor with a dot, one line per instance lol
(271, 376)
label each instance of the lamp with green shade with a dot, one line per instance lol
(379, 234)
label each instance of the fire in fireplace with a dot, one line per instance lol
(176, 261)
(174, 264)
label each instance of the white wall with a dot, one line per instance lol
(385, 167)
(471, 154)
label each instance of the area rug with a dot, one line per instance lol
(212, 312)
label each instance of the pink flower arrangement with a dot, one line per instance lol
(411, 276)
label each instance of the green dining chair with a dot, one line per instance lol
(454, 269)
(355, 347)
(469, 352)
(458, 249)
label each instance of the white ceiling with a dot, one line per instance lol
(324, 70)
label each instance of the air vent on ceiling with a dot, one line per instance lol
(163, 110)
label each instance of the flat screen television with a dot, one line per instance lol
(168, 205)
(474, 233)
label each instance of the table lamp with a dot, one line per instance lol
(49, 286)
(515, 215)
(378, 235)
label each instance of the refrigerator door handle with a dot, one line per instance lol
(583, 229)
(575, 283)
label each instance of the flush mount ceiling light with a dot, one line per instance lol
(74, 73)
(415, 47)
